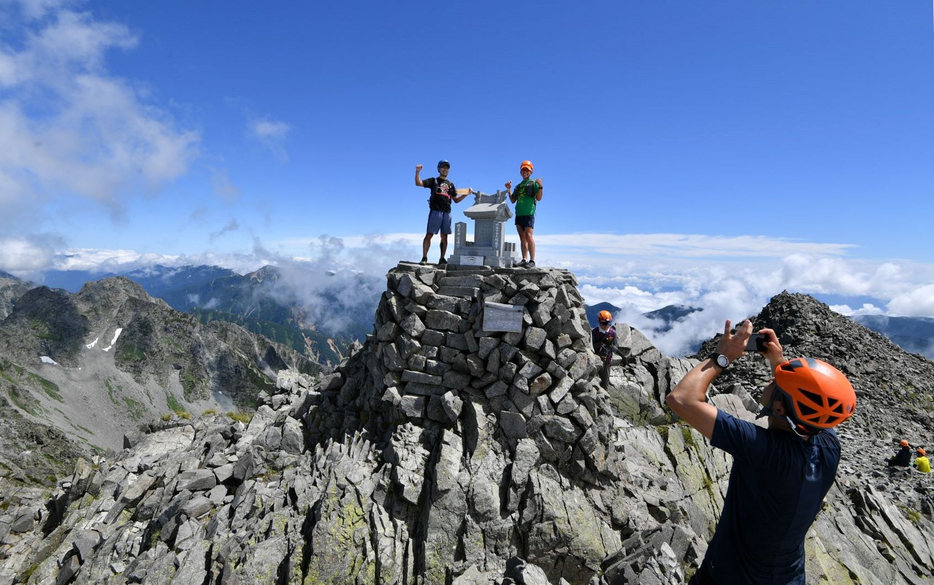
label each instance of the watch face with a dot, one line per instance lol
(722, 361)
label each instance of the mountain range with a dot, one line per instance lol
(260, 302)
(316, 315)
(88, 368)
(914, 334)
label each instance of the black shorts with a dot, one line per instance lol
(525, 221)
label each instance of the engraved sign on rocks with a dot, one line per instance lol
(501, 317)
(472, 260)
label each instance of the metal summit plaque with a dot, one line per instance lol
(501, 317)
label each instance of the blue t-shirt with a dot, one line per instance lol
(777, 484)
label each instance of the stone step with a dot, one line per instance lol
(464, 281)
(459, 291)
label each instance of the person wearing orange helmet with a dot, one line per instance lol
(780, 474)
(603, 337)
(526, 195)
(902, 457)
(921, 461)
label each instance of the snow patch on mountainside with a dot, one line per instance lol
(116, 336)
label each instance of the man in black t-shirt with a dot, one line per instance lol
(903, 457)
(439, 218)
(781, 474)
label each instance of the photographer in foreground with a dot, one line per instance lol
(780, 475)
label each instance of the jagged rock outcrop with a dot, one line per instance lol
(11, 288)
(437, 453)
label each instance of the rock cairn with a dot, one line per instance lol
(463, 419)
(429, 358)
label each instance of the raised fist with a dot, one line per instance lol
(418, 167)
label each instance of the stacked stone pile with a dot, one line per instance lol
(479, 412)
(438, 452)
(540, 381)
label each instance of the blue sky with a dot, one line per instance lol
(685, 146)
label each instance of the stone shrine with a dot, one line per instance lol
(489, 247)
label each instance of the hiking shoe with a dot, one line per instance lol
(442, 262)
(521, 264)
(424, 260)
(531, 264)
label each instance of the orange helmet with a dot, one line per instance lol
(604, 317)
(818, 394)
(921, 452)
(903, 443)
(526, 164)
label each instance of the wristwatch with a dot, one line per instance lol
(720, 359)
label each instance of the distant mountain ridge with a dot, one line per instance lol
(263, 301)
(215, 293)
(95, 364)
(666, 317)
(913, 334)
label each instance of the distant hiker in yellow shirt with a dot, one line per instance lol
(526, 195)
(921, 461)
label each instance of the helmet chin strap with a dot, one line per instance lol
(803, 433)
(796, 428)
(767, 409)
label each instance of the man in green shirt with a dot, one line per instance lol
(526, 195)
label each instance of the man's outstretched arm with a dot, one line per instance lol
(462, 194)
(688, 399)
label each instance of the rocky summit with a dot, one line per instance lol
(441, 452)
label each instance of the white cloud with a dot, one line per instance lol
(34, 9)
(231, 226)
(392, 239)
(865, 309)
(223, 187)
(687, 245)
(272, 135)
(918, 302)
(69, 127)
(727, 291)
(25, 256)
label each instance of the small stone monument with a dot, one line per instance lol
(489, 247)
